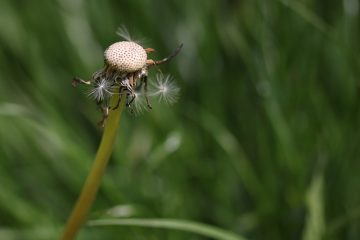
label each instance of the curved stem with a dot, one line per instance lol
(175, 224)
(93, 180)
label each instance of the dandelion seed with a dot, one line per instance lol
(139, 105)
(124, 33)
(101, 90)
(165, 89)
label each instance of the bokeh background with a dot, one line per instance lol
(263, 142)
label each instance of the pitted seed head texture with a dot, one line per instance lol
(126, 56)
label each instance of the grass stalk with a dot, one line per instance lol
(174, 224)
(92, 183)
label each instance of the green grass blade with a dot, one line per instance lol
(183, 225)
(315, 222)
(306, 14)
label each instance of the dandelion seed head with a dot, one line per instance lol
(125, 56)
(125, 73)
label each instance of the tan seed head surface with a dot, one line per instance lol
(126, 56)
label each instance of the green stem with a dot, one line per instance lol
(92, 183)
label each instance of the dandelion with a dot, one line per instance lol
(126, 68)
(165, 89)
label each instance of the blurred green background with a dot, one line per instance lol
(263, 142)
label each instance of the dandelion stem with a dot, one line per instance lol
(92, 183)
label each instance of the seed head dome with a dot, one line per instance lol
(125, 56)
